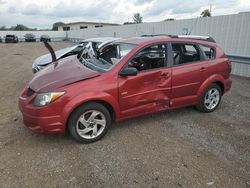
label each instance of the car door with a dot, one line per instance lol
(187, 73)
(150, 89)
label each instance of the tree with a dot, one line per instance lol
(127, 23)
(20, 27)
(206, 13)
(56, 25)
(2, 28)
(169, 19)
(137, 18)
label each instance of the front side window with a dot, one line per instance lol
(185, 53)
(151, 57)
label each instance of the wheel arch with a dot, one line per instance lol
(221, 85)
(108, 101)
(214, 79)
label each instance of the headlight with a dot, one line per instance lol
(47, 98)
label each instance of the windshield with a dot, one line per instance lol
(108, 58)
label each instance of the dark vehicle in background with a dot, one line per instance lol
(11, 39)
(29, 37)
(1, 40)
(45, 38)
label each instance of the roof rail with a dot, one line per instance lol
(155, 35)
(197, 37)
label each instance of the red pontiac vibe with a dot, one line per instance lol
(127, 78)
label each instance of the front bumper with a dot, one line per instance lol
(36, 68)
(10, 41)
(30, 40)
(40, 119)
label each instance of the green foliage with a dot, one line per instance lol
(18, 27)
(127, 23)
(206, 13)
(56, 25)
(169, 19)
(3, 28)
(137, 18)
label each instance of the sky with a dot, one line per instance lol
(42, 14)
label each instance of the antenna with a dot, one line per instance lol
(211, 8)
(191, 29)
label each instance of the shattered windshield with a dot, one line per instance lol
(109, 56)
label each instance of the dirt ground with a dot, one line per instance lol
(181, 148)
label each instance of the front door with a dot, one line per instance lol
(150, 89)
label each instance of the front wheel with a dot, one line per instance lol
(89, 122)
(210, 99)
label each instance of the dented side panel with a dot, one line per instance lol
(146, 92)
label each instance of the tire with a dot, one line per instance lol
(89, 122)
(210, 99)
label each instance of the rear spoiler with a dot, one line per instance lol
(51, 51)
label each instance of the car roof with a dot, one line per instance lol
(158, 39)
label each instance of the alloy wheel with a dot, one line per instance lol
(91, 124)
(212, 98)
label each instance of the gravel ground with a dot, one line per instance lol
(181, 148)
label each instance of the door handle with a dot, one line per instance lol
(203, 69)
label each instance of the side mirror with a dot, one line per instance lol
(128, 71)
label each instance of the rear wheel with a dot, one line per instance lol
(210, 99)
(89, 122)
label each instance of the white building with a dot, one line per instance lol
(83, 25)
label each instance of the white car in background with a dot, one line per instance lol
(91, 45)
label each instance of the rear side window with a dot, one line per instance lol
(208, 51)
(185, 53)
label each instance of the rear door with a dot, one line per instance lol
(150, 89)
(188, 70)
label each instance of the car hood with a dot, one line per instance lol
(46, 59)
(61, 73)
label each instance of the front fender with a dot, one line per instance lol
(209, 81)
(91, 96)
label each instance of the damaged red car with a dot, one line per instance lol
(129, 77)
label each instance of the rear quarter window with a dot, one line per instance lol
(208, 51)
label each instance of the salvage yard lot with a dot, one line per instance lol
(181, 148)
